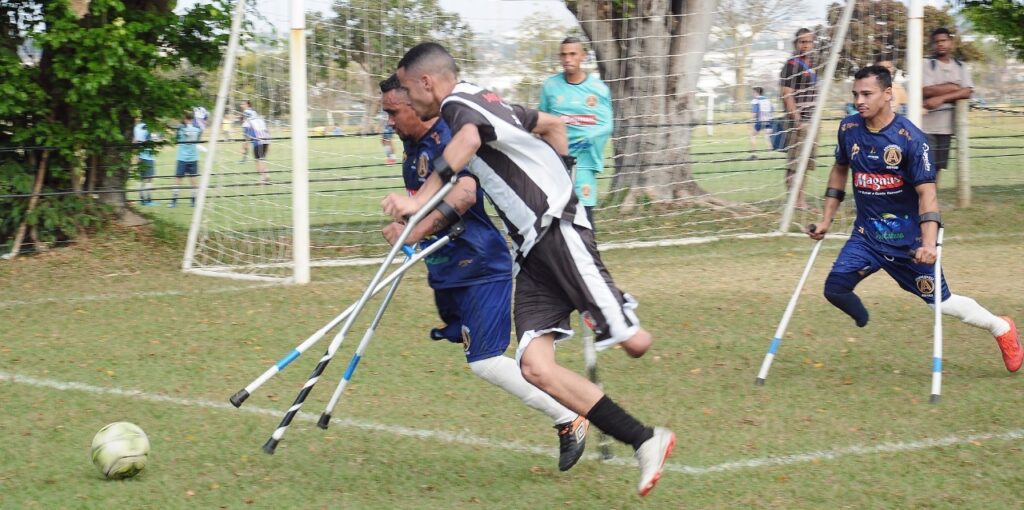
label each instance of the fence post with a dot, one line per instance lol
(963, 160)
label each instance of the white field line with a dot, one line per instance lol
(467, 439)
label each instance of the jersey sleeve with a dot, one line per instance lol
(842, 158)
(457, 115)
(919, 167)
(527, 116)
(544, 105)
(605, 114)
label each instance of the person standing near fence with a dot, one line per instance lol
(761, 107)
(898, 220)
(472, 275)
(946, 80)
(799, 83)
(147, 162)
(256, 133)
(188, 157)
(584, 103)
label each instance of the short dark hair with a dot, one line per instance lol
(800, 32)
(572, 40)
(879, 72)
(758, 90)
(390, 83)
(941, 31)
(189, 115)
(429, 51)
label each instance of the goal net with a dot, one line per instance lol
(688, 160)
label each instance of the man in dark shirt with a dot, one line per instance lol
(799, 93)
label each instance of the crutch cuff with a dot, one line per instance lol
(443, 169)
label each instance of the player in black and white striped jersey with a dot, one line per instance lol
(558, 268)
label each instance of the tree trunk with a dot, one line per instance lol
(37, 187)
(651, 58)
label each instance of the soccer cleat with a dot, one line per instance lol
(1009, 343)
(652, 456)
(572, 440)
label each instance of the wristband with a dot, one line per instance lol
(569, 161)
(450, 214)
(930, 216)
(835, 193)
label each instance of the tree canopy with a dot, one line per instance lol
(1001, 18)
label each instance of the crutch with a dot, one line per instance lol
(937, 346)
(238, 398)
(325, 417)
(781, 330)
(292, 411)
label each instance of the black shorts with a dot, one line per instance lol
(938, 146)
(563, 272)
(259, 150)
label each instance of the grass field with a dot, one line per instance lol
(109, 330)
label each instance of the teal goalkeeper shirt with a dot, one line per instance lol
(586, 110)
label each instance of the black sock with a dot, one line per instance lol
(616, 422)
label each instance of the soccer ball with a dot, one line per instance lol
(120, 450)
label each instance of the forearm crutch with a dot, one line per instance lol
(590, 360)
(292, 411)
(937, 346)
(325, 417)
(781, 330)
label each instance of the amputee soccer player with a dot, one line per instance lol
(472, 275)
(584, 103)
(557, 267)
(897, 213)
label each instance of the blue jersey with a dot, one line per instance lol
(886, 166)
(480, 254)
(188, 142)
(140, 134)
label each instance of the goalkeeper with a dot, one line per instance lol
(583, 102)
(472, 275)
(897, 213)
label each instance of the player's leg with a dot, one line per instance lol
(259, 153)
(192, 181)
(179, 174)
(855, 262)
(919, 279)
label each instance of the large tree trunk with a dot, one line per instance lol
(650, 57)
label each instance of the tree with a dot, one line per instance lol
(649, 52)
(739, 22)
(1001, 18)
(76, 76)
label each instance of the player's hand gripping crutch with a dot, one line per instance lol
(325, 418)
(937, 346)
(289, 415)
(781, 330)
(238, 398)
(590, 360)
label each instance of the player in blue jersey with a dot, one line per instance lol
(188, 156)
(147, 162)
(583, 102)
(897, 213)
(254, 128)
(472, 275)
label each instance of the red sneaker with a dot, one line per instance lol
(1009, 343)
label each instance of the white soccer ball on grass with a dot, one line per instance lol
(120, 450)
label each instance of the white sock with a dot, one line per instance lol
(970, 312)
(504, 373)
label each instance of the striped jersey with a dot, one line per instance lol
(255, 129)
(762, 108)
(522, 175)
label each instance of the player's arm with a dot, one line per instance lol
(928, 211)
(834, 195)
(456, 203)
(955, 93)
(552, 130)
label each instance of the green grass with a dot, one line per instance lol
(113, 312)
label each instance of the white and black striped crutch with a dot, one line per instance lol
(239, 397)
(325, 417)
(292, 411)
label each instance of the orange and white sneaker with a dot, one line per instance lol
(652, 456)
(1009, 343)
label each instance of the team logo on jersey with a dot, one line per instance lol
(465, 262)
(491, 97)
(582, 119)
(467, 340)
(854, 151)
(585, 191)
(877, 182)
(905, 133)
(436, 137)
(423, 165)
(925, 285)
(924, 157)
(591, 100)
(849, 125)
(893, 155)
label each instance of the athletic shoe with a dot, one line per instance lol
(572, 440)
(1009, 343)
(390, 160)
(652, 456)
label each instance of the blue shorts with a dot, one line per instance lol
(758, 126)
(187, 168)
(478, 315)
(918, 279)
(147, 168)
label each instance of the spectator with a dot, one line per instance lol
(762, 109)
(255, 130)
(147, 163)
(799, 93)
(945, 80)
(899, 94)
(188, 156)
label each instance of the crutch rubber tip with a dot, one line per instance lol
(606, 453)
(270, 446)
(238, 398)
(759, 381)
(934, 399)
(325, 419)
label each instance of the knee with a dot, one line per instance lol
(638, 344)
(837, 285)
(535, 373)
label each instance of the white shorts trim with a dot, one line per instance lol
(524, 342)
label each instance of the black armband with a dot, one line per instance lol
(442, 169)
(451, 216)
(835, 193)
(569, 161)
(930, 216)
